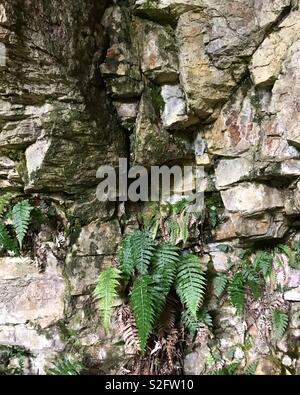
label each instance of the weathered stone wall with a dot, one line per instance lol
(215, 83)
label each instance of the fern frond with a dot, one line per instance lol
(292, 256)
(142, 247)
(180, 205)
(126, 259)
(190, 283)
(4, 202)
(205, 317)
(191, 324)
(236, 291)
(264, 262)
(220, 283)
(250, 369)
(6, 242)
(228, 370)
(106, 292)
(252, 279)
(65, 366)
(279, 323)
(164, 265)
(142, 301)
(20, 216)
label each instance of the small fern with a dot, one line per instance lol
(4, 202)
(125, 258)
(106, 292)
(279, 323)
(228, 370)
(20, 216)
(142, 249)
(164, 265)
(6, 242)
(250, 369)
(220, 283)
(236, 292)
(292, 255)
(142, 301)
(66, 366)
(191, 283)
(263, 261)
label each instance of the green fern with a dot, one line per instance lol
(66, 366)
(228, 370)
(142, 249)
(279, 323)
(293, 256)
(263, 261)
(190, 283)
(6, 242)
(236, 291)
(106, 292)
(220, 283)
(164, 265)
(252, 279)
(20, 216)
(250, 369)
(4, 202)
(126, 259)
(191, 324)
(205, 317)
(142, 300)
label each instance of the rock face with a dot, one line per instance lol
(215, 84)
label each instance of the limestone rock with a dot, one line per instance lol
(250, 198)
(98, 238)
(175, 113)
(205, 86)
(28, 295)
(231, 171)
(268, 366)
(159, 61)
(267, 60)
(152, 144)
(293, 295)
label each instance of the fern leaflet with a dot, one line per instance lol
(220, 283)
(142, 301)
(237, 292)
(125, 258)
(264, 262)
(106, 292)
(279, 323)
(4, 201)
(6, 241)
(142, 247)
(190, 283)
(20, 219)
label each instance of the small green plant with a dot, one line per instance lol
(293, 253)
(246, 277)
(172, 220)
(14, 222)
(66, 366)
(151, 270)
(9, 353)
(279, 323)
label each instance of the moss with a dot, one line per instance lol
(157, 100)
